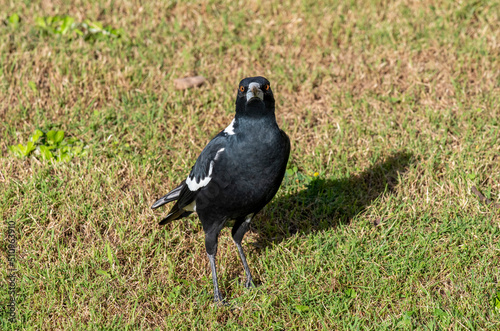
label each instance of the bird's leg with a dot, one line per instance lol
(217, 295)
(238, 233)
(249, 281)
(211, 247)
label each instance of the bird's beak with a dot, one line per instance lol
(254, 91)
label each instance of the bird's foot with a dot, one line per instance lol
(219, 300)
(222, 303)
(249, 283)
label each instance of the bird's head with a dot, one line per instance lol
(255, 96)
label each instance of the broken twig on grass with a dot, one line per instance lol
(378, 221)
(484, 199)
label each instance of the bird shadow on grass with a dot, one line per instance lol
(326, 203)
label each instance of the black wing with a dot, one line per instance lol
(286, 156)
(198, 178)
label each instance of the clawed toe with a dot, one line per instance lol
(221, 302)
(249, 284)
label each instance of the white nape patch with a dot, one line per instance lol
(193, 185)
(191, 206)
(249, 218)
(250, 94)
(230, 129)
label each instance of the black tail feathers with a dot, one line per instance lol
(175, 214)
(169, 197)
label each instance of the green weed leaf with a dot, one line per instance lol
(36, 135)
(495, 302)
(16, 150)
(110, 253)
(40, 22)
(55, 137)
(67, 24)
(77, 150)
(63, 157)
(26, 150)
(59, 136)
(14, 20)
(32, 86)
(55, 147)
(302, 308)
(439, 312)
(350, 292)
(46, 153)
(291, 171)
(51, 136)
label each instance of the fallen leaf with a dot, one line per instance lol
(188, 82)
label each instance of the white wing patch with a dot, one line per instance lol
(230, 129)
(193, 184)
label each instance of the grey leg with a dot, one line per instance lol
(212, 229)
(211, 247)
(217, 295)
(239, 230)
(249, 281)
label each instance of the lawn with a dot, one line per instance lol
(393, 110)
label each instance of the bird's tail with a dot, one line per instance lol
(171, 196)
(175, 214)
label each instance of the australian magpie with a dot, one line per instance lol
(236, 174)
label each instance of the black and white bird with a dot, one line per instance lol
(236, 174)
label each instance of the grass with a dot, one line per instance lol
(394, 104)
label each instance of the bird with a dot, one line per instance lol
(238, 172)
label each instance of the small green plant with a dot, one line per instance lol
(295, 179)
(495, 302)
(350, 293)
(50, 146)
(95, 30)
(291, 171)
(302, 308)
(55, 24)
(13, 20)
(66, 25)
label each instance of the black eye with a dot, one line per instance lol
(242, 89)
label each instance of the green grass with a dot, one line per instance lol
(394, 104)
